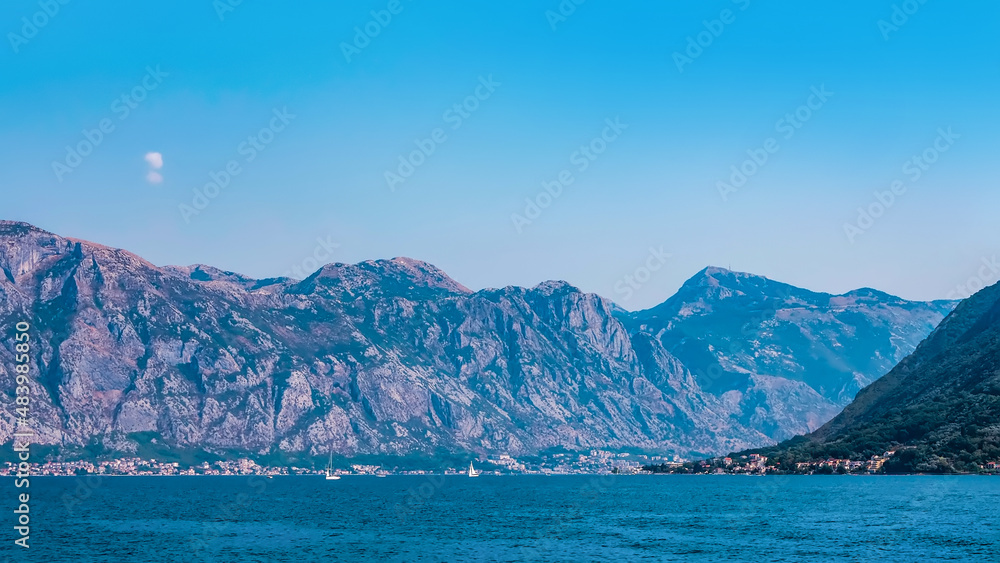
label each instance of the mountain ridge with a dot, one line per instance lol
(383, 356)
(769, 324)
(9, 226)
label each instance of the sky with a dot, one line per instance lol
(619, 146)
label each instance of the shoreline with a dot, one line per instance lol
(320, 476)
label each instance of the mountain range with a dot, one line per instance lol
(393, 357)
(790, 358)
(938, 410)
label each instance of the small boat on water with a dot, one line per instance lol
(472, 471)
(330, 475)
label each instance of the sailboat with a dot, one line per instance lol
(330, 475)
(472, 471)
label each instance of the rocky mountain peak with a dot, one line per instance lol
(204, 273)
(714, 287)
(867, 294)
(720, 283)
(24, 247)
(19, 228)
(399, 275)
(554, 287)
(717, 271)
(424, 274)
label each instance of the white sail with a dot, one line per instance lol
(330, 475)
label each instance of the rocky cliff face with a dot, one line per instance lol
(786, 359)
(382, 357)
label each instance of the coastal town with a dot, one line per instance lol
(589, 463)
(592, 462)
(756, 464)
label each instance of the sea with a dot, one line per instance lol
(508, 518)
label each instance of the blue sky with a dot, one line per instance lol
(215, 83)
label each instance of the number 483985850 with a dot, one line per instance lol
(22, 359)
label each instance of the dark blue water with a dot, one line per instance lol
(677, 518)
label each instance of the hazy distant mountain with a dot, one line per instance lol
(940, 406)
(382, 357)
(788, 359)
